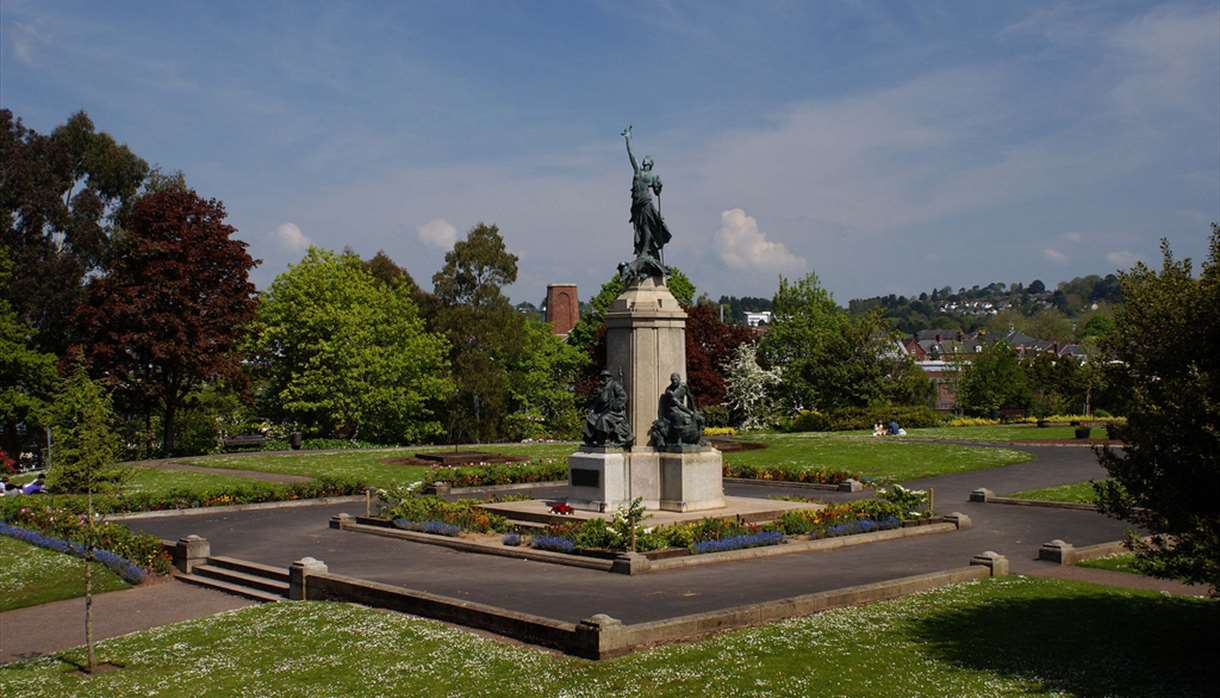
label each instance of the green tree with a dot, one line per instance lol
(829, 360)
(345, 354)
(84, 450)
(994, 381)
(1166, 346)
(540, 386)
(27, 376)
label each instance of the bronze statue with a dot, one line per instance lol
(651, 233)
(678, 421)
(606, 420)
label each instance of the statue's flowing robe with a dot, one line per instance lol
(651, 234)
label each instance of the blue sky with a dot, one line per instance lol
(891, 147)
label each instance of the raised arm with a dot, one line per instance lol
(630, 156)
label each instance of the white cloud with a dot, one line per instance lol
(1122, 258)
(1073, 237)
(1055, 255)
(743, 246)
(291, 238)
(438, 233)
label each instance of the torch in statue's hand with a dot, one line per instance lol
(626, 132)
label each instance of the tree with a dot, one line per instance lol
(27, 376)
(710, 345)
(344, 354)
(388, 271)
(85, 449)
(994, 381)
(540, 386)
(748, 386)
(829, 360)
(169, 314)
(1166, 351)
(60, 198)
(1036, 286)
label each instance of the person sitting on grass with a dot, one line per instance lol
(38, 486)
(6, 487)
(896, 430)
(878, 429)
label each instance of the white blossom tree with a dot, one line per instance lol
(747, 386)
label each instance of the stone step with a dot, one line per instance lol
(247, 567)
(232, 576)
(237, 589)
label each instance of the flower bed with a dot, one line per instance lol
(439, 528)
(749, 540)
(246, 493)
(129, 571)
(789, 473)
(465, 515)
(140, 549)
(498, 474)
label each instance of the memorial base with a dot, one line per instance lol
(604, 479)
(692, 480)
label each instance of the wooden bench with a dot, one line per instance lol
(244, 441)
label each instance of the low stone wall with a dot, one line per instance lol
(600, 636)
(1064, 553)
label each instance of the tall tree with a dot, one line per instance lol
(710, 346)
(994, 381)
(344, 354)
(61, 196)
(169, 315)
(1166, 346)
(27, 376)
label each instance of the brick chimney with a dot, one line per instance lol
(562, 307)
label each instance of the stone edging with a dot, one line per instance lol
(782, 483)
(288, 504)
(490, 489)
(601, 636)
(986, 496)
(634, 563)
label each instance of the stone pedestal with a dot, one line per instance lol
(645, 343)
(692, 480)
(605, 479)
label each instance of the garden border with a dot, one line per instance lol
(986, 496)
(636, 563)
(600, 636)
(441, 491)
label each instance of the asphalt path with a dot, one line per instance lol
(281, 536)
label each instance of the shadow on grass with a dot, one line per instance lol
(1087, 644)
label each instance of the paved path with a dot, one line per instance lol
(53, 627)
(279, 537)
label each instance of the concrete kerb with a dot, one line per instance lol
(601, 636)
(347, 499)
(850, 485)
(995, 563)
(1013, 501)
(1064, 553)
(636, 563)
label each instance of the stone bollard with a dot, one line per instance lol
(297, 573)
(341, 521)
(600, 636)
(1057, 551)
(190, 551)
(997, 563)
(851, 484)
(630, 563)
(959, 519)
(982, 494)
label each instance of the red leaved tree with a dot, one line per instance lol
(169, 314)
(710, 344)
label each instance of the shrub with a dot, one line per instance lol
(1082, 432)
(752, 540)
(909, 417)
(464, 514)
(910, 501)
(973, 422)
(716, 417)
(499, 474)
(808, 420)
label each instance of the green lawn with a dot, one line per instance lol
(885, 459)
(1081, 492)
(366, 465)
(1118, 562)
(1009, 636)
(1003, 433)
(30, 575)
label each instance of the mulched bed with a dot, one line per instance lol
(455, 460)
(727, 446)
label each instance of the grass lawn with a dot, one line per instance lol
(874, 458)
(1081, 492)
(1004, 433)
(30, 575)
(1118, 562)
(367, 465)
(1009, 636)
(886, 459)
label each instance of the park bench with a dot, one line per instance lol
(244, 441)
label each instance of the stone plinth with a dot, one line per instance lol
(606, 479)
(645, 343)
(692, 480)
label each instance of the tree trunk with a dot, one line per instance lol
(89, 585)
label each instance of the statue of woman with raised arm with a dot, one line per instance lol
(651, 235)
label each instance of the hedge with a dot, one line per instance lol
(498, 474)
(789, 473)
